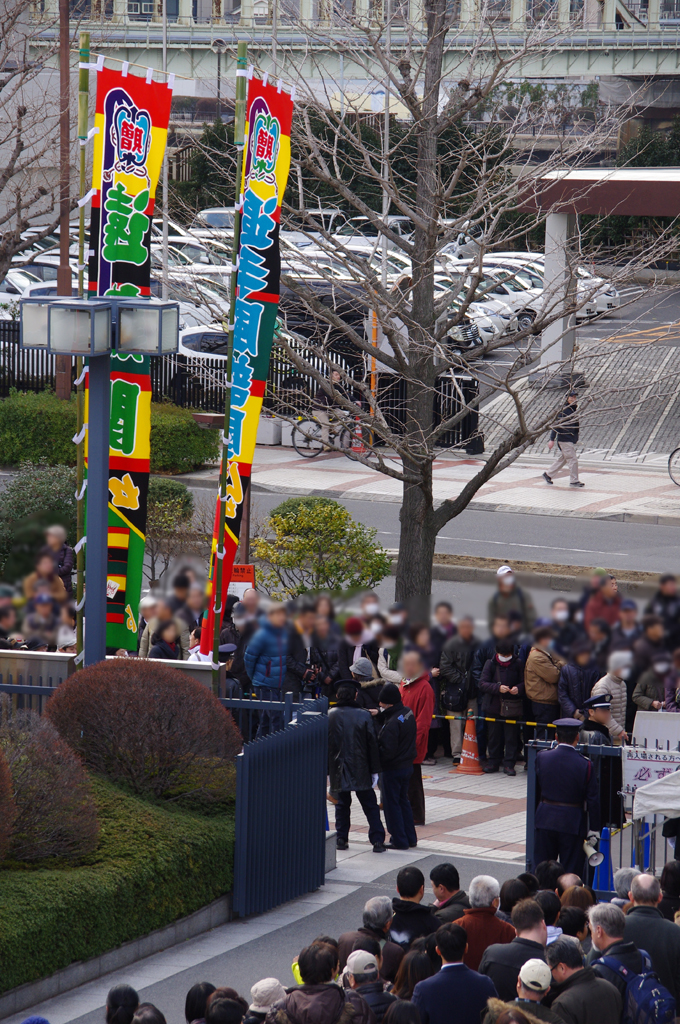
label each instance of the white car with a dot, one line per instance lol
(605, 295)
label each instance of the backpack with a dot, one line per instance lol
(646, 1000)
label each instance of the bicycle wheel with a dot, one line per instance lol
(307, 439)
(674, 467)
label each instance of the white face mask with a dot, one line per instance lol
(661, 667)
(239, 623)
(371, 607)
(388, 645)
(562, 615)
(394, 620)
(374, 628)
(508, 579)
(504, 657)
(624, 673)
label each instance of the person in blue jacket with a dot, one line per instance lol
(265, 663)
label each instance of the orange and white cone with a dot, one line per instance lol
(357, 444)
(469, 755)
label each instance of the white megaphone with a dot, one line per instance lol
(595, 858)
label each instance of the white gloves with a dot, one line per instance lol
(374, 781)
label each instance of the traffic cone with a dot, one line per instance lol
(469, 755)
(357, 444)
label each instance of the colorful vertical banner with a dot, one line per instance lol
(131, 123)
(131, 128)
(269, 116)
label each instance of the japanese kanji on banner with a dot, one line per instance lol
(269, 115)
(131, 127)
(131, 122)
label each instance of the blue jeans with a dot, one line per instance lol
(270, 721)
(398, 813)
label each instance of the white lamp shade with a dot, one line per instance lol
(170, 329)
(34, 324)
(149, 327)
(70, 330)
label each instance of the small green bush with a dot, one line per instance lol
(37, 497)
(152, 866)
(178, 444)
(171, 494)
(39, 428)
(291, 506)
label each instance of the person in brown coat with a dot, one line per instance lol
(44, 579)
(541, 676)
(377, 918)
(480, 922)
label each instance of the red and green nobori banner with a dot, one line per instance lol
(131, 128)
(269, 116)
(132, 117)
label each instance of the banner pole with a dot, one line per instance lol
(83, 119)
(218, 557)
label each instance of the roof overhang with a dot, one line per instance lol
(631, 191)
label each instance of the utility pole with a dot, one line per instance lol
(63, 363)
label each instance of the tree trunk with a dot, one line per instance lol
(416, 550)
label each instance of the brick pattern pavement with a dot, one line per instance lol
(466, 815)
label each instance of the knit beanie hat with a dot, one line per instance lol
(389, 694)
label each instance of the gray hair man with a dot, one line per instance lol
(649, 930)
(607, 924)
(483, 928)
(622, 882)
(584, 998)
(377, 918)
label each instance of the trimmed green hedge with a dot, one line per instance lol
(39, 428)
(151, 867)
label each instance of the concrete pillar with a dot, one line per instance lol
(563, 14)
(469, 13)
(557, 342)
(185, 12)
(119, 11)
(609, 15)
(653, 12)
(246, 13)
(518, 14)
(306, 12)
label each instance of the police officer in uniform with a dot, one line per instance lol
(568, 800)
(595, 734)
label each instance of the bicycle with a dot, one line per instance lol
(307, 439)
(674, 466)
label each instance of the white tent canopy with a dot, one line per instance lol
(659, 797)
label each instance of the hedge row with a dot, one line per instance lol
(151, 867)
(39, 428)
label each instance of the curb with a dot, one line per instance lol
(24, 996)
(538, 580)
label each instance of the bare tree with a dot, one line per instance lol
(455, 159)
(29, 114)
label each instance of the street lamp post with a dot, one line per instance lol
(93, 329)
(219, 46)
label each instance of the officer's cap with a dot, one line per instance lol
(568, 723)
(602, 700)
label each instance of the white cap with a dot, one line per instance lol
(503, 570)
(536, 975)
(360, 962)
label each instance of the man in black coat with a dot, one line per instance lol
(649, 930)
(397, 748)
(411, 917)
(239, 630)
(353, 766)
(569, 800)
(303, 661)
(362, 975)
(580, 996)
(502, 961)
(500, 630)
(458, 693)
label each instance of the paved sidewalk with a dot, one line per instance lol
(613, 490)
(466, 815)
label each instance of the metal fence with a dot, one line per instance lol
(625, 842)
(281, 812)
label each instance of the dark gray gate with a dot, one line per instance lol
(281, 812)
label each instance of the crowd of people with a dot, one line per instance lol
(539, 947)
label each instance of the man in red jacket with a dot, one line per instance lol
(418, 695)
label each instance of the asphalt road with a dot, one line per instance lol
(564, 540)
(272, 955)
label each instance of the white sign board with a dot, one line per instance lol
(662, 727)
(642, 766)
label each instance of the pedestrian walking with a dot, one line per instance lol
(353, 766)
(397, 748)
(417, 694)
(565, 432)
(265, 663)
(568, 800)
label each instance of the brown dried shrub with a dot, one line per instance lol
(8, 809)
(56, 815)
(152, 728)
